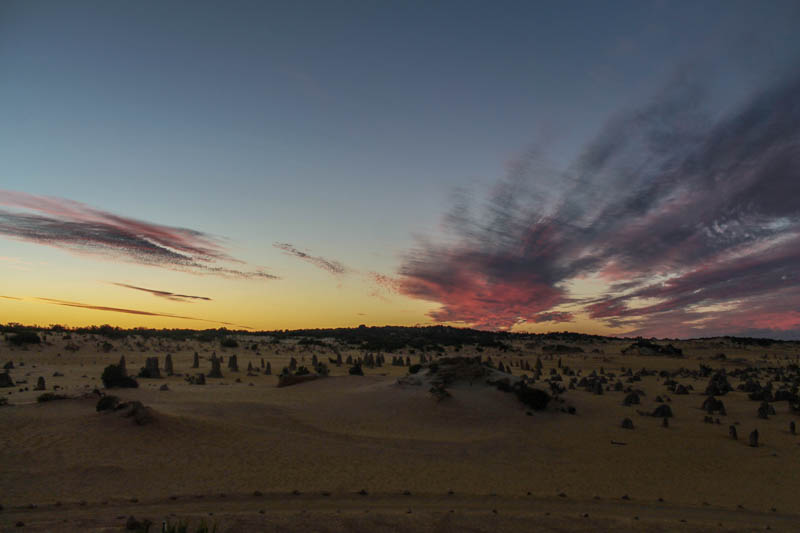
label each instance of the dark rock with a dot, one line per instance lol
(753, 441)
(150, 369)
(215, 368)
(662, 411)
(732, 432)
(631, 399)
(718, 385)
(40, 385)
(765, 409)
(5, 380)
(627, 423)
(712, 405)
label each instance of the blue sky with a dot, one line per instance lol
(343, 128)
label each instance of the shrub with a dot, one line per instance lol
(229, 343)
(107, 403)
(24, 337)
(356, 370)
(115, 377)
(414, 369)
(49, 397)
(536, 399)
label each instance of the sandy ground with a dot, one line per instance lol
(66, 467)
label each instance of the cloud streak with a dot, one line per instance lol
(78, 228)
(164, 294)
(80, 305)
(329, 265)
(690, 219)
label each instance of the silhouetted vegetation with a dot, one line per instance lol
(107, 403)
(114, 376)
(24, 337)
(51, 397)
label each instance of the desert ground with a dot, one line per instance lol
(382, 452)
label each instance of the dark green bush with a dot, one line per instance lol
(50, 397)
(107, 403)
(115, 377)
(536, 399)
(414, 369)
(229, 343)
(24, 337)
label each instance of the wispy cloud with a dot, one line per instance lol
(132, 311)
(10, 297)
(82, 229)
(164, 294)
(329, 265)
(696, 215)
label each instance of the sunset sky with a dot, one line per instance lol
(602, 167)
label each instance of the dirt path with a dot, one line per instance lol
(391, 512)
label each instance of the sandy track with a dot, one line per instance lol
(392, 512)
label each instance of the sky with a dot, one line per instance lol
(625, 168)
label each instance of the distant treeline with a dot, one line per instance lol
(375, 338)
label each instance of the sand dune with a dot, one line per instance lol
(346, 433)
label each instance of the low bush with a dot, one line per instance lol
(115, 377)
(107, 403)
(24, 337)
(229, 343)
(50, 397)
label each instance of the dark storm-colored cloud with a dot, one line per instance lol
(674, 207)
(164, 294)
(132, 311)
(329, 265)
(82, 229)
